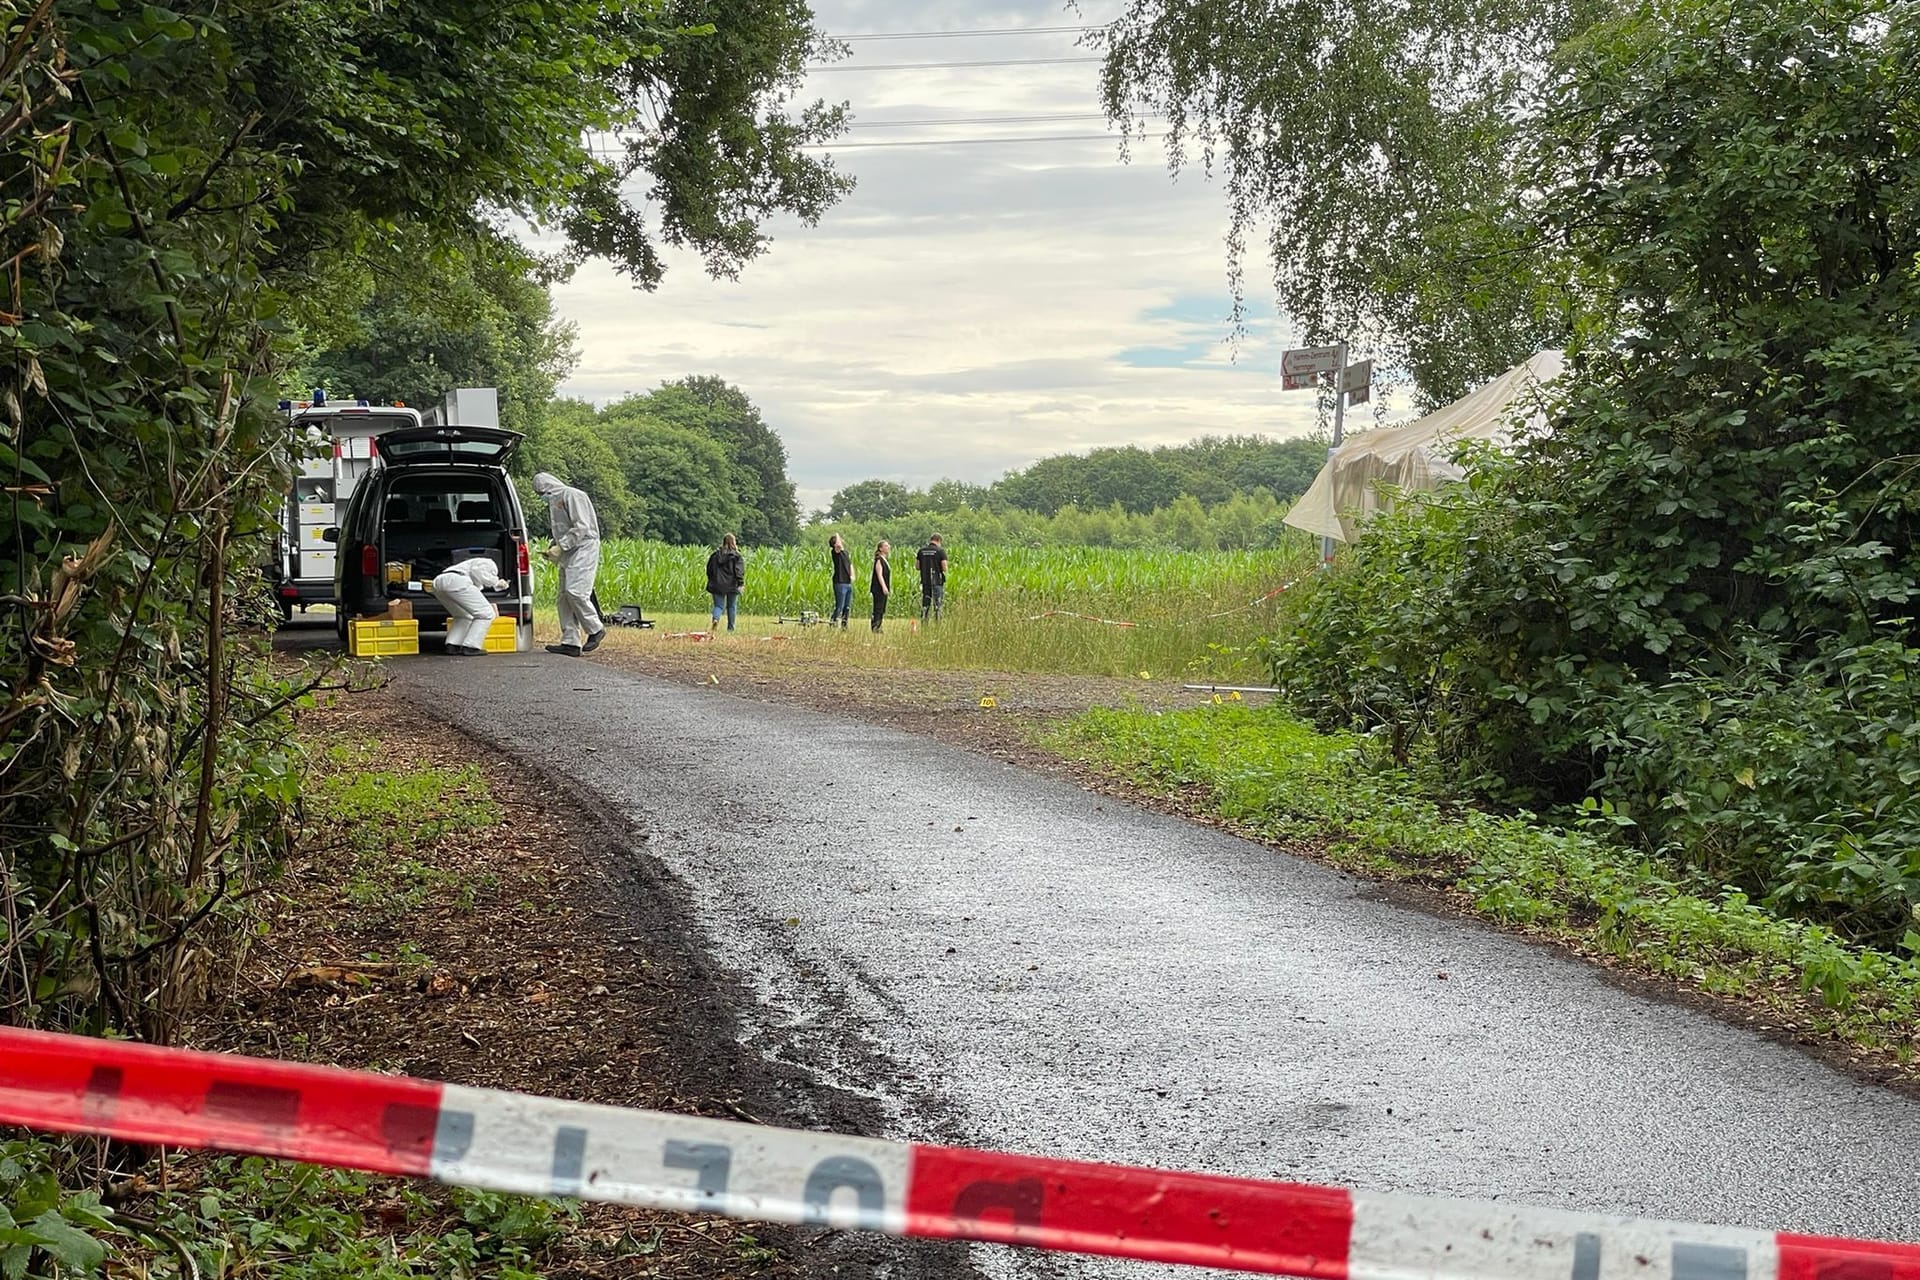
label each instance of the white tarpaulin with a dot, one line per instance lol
(1414, 457)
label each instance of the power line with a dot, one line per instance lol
(929, 66)
(1041, 119)
(982, 142)
(957, 34)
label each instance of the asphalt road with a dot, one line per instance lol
(1004, 960)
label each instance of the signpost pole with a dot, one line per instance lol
(1339, 425)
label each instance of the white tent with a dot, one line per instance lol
(1414, 457)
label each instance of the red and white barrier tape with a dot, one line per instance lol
(1084, 617)
(540, 1146)
(1255, 604)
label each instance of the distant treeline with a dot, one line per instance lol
(1244, 522)
(1110, 488)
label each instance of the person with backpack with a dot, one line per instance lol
(726, 575)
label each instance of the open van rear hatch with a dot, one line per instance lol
(448, 444)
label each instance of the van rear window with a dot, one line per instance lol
(420, 503)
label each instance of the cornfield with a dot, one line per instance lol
(1015, 608)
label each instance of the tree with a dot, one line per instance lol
(1247, 464)
(1739, 184)
(188, 187)
(950, 495)
(730, 149)
(568, 443)
(456, 315)
(1381, 149)
(417, 114)
(769, 511)
(871, 500)
(680, 479)
(1692, 597)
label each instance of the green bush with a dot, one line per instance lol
(1686, 610)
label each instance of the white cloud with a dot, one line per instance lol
(970, 308)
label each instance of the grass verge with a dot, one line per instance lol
(1279, 779)
(437, 922)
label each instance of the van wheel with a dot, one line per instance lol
(340, 625)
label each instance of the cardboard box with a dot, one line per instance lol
(399, 610)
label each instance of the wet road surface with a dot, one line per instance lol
(1005, 960)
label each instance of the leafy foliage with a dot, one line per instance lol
(454, 314)
(255, 1215)
(417, 115)
(1245, 522)
(871, 500)
(684, 464)
(195, 196)
(1688, 608)
(41, 1223)
(1381, 146)
(143, 768)
(768, 514)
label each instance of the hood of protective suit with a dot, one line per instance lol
(545, 483)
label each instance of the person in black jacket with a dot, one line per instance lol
(882, 583)
(842, 582)
(932, 562)
(726, 574)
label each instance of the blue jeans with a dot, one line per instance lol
(842, 603)
(728, 604)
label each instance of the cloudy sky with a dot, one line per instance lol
(973, 305)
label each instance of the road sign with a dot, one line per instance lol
(1357, 382)
(1310, 360)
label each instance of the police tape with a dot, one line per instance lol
(1083, 617)
(513, 1142)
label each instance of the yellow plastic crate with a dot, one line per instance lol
(502, 637)
(383, 637)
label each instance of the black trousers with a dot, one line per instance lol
(879, 610)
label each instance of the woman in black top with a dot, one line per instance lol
(842, 582)
(882, 582)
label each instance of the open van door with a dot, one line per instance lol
(414, 446)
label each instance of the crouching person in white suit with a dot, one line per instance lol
(469, 613)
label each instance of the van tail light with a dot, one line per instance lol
(525, 563)
(370, 560)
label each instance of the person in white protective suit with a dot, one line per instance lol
(469, 613)
(575, 547)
